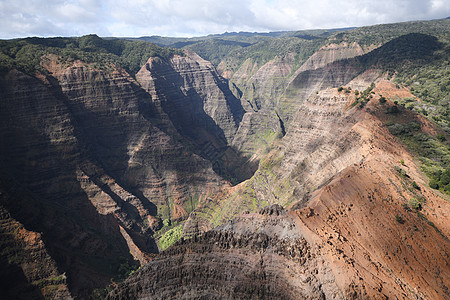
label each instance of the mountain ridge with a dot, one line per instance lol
(122, 154)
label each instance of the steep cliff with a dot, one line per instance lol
(272, 93)
(373, 229)
(200, 106)
(289, 179)
(27, 269)
(105, 163)
(41, 154)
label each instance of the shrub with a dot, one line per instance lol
(401, 171)
(406, 207)
(382, 100)
(415, 204)
(447, 188)
(433, 184)
(166, 222)
(445, 178)
(415, 185)
(170, 237)
(340, 89)
(399, 219)
(393, 110)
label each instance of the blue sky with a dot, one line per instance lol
(21, 18)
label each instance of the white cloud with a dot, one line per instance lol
(199, 17)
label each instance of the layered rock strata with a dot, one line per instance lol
(253, 256)
(106, 161)
(345, 244)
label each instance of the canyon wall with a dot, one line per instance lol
(104, 161)
(278, 182)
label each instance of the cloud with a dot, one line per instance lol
(200, 17)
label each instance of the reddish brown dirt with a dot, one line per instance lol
(354, 217)
(365, 225)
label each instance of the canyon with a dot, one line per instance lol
(247, 179)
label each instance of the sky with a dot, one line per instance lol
(187, 18)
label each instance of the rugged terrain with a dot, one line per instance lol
(366, 232)
(290, 168)
(102, 162)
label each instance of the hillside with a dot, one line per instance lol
(306, 164)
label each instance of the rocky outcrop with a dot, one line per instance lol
(254, 256)
(272, 94)
(104, 162)
(199, 104)
(27, 269)
(347, 243)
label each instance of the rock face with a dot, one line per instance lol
(349, 234)
(102, 163)
(255, 256)
(332, 249)
(199, 104)
(27, 269)
(95, 166)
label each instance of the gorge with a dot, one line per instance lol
(285, 166)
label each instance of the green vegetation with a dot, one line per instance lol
(53, 280)
(233, 48)
(399, 219)
(215, 50)
(430, 82)
(401, 171)
(26, 54)
(170, 237)
(416, 205)
(361, 97)
(260, 53)
(247, 37)
(369, 36)
(433, 153)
